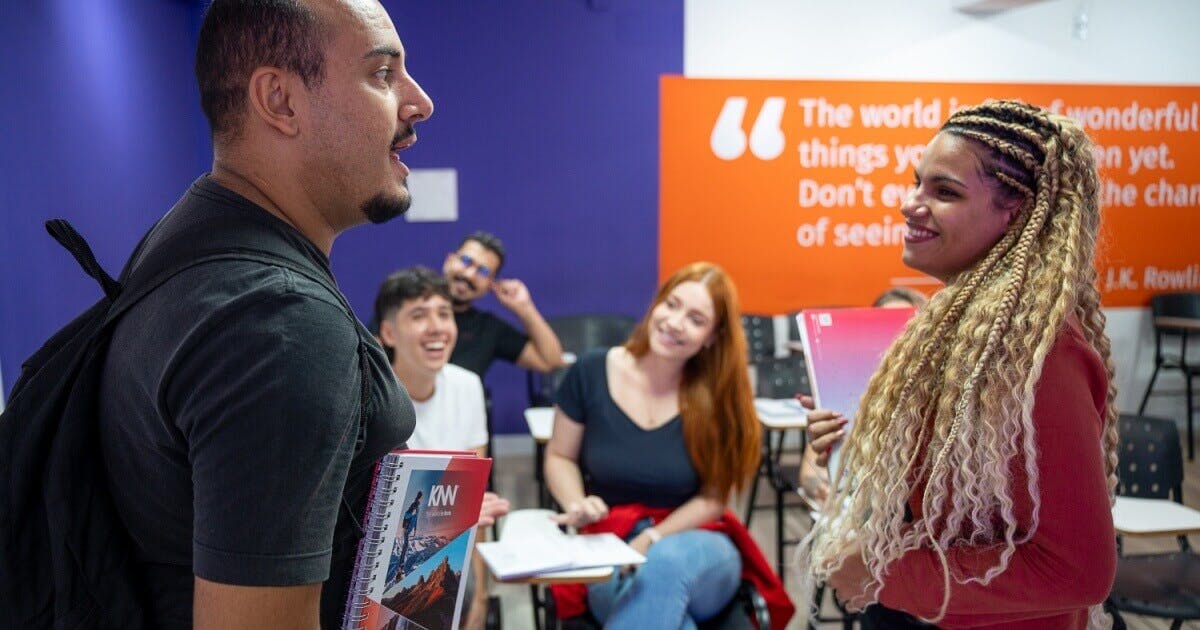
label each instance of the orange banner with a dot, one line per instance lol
(795, 186)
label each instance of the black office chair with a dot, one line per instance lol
(1160, 584)
(1184, 306)
(778, 378)
(781, 378)
(784, 378)
(577, 334)
(747, 610)
(793, 326)
(760, 337)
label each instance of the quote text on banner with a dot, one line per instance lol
(795, 186)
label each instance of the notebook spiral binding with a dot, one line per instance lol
(372, 544)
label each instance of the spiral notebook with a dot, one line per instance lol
(415, 557)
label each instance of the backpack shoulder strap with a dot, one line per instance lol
(65, 234)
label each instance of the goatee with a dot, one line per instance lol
(383, 208)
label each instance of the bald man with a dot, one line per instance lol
(243, 406)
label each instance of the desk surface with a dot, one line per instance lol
(780, 414)
(1154, 517)
(580, 576)
(794, 346)
(1178, 322)
(541, 423)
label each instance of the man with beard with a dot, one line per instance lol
(471, 271)
(243, 406)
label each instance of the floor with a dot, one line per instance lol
(514, 479)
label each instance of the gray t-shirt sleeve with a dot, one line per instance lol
(267, 401)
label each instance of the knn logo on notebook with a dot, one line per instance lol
(442, 495)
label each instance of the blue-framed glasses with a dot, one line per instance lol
(480, 270)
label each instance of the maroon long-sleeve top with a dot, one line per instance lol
(1070, 561)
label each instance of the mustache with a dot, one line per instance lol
(403, 135)
(465, 280)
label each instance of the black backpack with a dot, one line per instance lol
(66, 561)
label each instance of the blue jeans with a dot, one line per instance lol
(687, 577)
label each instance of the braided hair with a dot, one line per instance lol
(951, 405)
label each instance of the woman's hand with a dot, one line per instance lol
(850, 582)
(814, 479)
(494, 506)
(825, 429)
(583, 512)
(641, 544)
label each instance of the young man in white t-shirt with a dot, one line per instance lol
(417, 330)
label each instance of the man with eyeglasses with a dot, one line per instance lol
(483, 337)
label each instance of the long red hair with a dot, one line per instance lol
(720, 426)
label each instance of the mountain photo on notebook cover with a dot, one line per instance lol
(414, 559)
(842, 349)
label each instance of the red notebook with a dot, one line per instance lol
(420, 527)
(842, 349)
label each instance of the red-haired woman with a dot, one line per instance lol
(650, 439)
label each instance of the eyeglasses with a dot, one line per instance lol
(480, 270)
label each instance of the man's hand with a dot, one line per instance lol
(581, 513)
(494, 506)
(513, 294)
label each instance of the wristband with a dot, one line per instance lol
(652, 534)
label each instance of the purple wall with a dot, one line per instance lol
(548, 109)
(100, 125)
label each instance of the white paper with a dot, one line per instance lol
(523, 556)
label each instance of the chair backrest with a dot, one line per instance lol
(781, 378)
(578, 334)
(760, 336)
(793, 323)
(746, 611)
(1176, 305)
(1150, 460)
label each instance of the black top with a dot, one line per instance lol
(482, 338)
(229, 412)
(620, 461)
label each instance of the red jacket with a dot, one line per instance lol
(571, 599)
(1070, 561)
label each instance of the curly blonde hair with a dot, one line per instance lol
(951, 405)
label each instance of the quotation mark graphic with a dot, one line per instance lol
(728, 139)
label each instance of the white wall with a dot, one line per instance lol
(1127, 42)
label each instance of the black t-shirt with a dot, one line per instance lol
(229, 413)
(482, 338)
(620, 461)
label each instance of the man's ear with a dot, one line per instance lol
(273, 96)
(387, 333)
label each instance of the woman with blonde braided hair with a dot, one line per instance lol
(976, 486)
